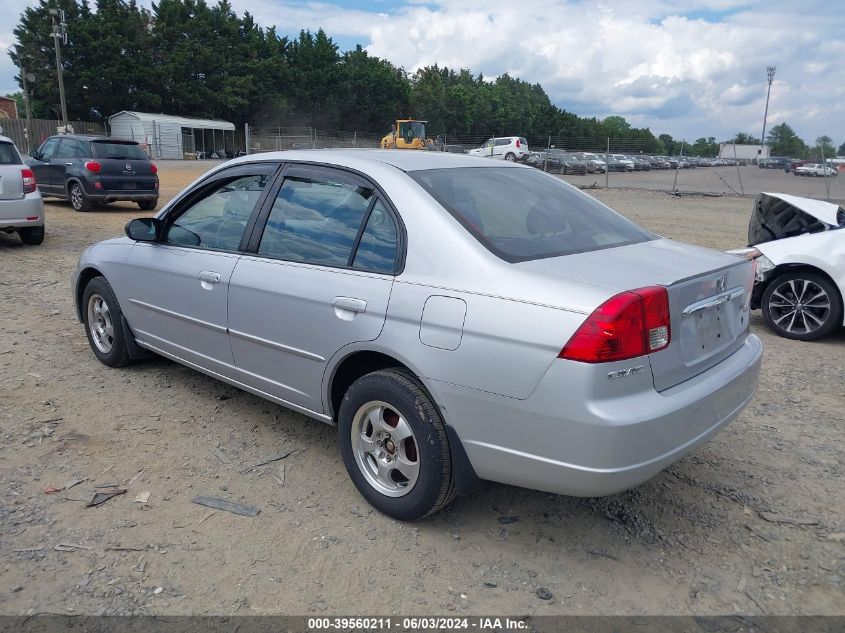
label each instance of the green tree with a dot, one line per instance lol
(783, 141)
(841, 151)
(371, 92)
(824, 145)
(743, 138)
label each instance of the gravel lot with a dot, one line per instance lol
(751, 522)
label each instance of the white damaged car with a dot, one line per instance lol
(799, 247)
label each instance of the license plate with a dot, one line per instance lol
(711, 326)
(130, 185)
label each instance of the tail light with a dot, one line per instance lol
(28, 176)
(517, 143)
(630, 324)
(93, 166)
(153, 168)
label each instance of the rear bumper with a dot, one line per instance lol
(118, 196)
(568, 439)
(14, 213)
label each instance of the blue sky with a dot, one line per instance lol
(687, 67)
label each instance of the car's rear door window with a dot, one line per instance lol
(522, 214)
(218, 219)
(316, 220)
(378, 248)
(70, 148)
(118, 150)
(9, 155)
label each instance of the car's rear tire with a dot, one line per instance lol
(394, 444)
(147, 205)
(32, 235)
(802, 305)
(510, 157)
(103, 321)
(78, 200)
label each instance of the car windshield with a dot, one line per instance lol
(9, 155)
(522, 214)
(118, 150)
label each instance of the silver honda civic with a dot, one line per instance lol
(456, 319)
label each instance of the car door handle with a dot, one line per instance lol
(209, 279)
(349, 304)
(68, 164)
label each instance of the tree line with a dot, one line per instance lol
(191, 58)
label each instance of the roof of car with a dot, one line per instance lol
(93, 137)
(406, 160)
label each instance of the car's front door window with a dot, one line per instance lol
(48, 149)
(218, 220)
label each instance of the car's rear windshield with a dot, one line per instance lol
(523, 214)
(118, 150)
(9, 155)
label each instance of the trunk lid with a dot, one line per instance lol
(708, 297)
(11, 182)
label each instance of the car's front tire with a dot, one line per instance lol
(394, 445)
(103, 321)
(802, 305)
(32, 235)
(78, 200)
(147, 205)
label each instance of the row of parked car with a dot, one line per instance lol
(799, 167)
(589, 163)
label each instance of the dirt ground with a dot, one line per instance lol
(752, 522)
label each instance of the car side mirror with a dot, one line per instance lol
(34, 154)
(144, 229)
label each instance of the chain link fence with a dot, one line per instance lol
(589, 162)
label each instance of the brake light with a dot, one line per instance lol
(630, 324)
(153, 168)
(93, 166)
(28, 176)
(517, 143)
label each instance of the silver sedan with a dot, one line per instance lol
(457, 319)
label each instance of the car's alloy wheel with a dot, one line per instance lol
(803, 306)
(510, 157)
(394, 445)
(100, 324)
(78, 199)
(103, 323)
(385, 449)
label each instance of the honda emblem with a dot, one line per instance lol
(720, 283)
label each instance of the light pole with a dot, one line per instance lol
(60, 33)
(770, 74)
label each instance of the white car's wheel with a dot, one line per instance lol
(802, 305)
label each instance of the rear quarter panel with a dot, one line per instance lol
(505, 347)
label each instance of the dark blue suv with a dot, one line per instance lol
(90, 170)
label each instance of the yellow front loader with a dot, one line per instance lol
(408, 134)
